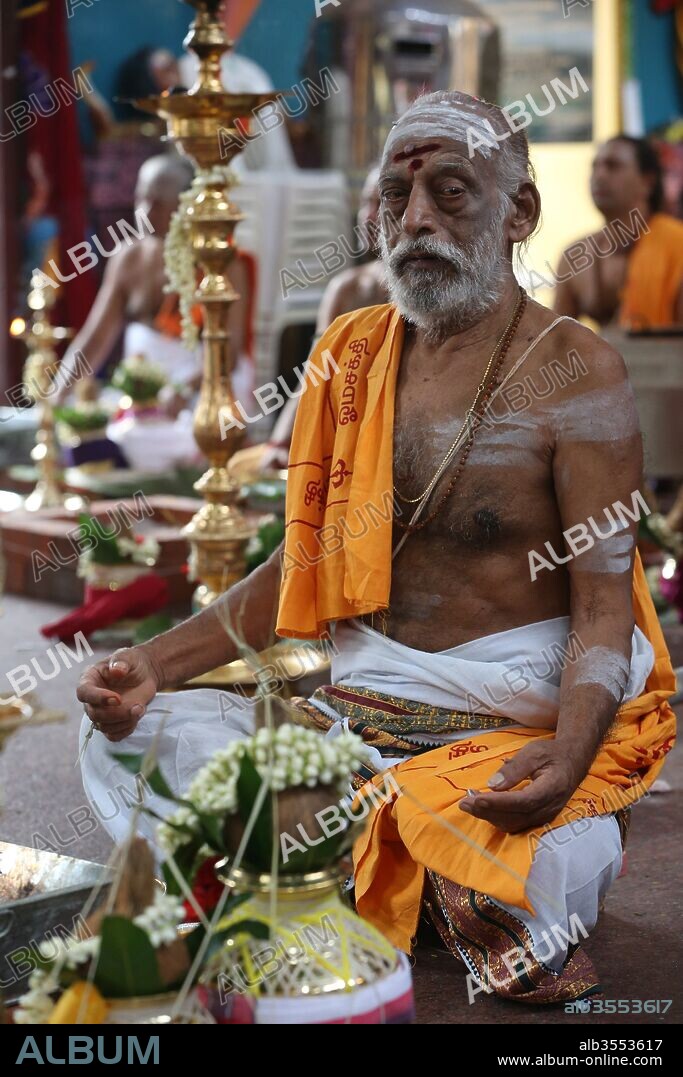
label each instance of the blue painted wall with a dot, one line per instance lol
(276, 38)
(653, 42)
(111, 30)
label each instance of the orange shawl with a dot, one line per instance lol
(654, 276)
(337, 564)
(337, 560)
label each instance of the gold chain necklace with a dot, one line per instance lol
(477, 418)
(498, 356)
(481, 388)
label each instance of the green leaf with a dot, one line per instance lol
(103, 545)
(151, 626)
(257, 928)
(186, 857)
(250, 927)
(211, 830)
(155, 779)
(127, 965)
(81, 418)
(258, 852)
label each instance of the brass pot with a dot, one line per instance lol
(296, 952)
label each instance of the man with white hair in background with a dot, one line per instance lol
(132, 296)
(520, 697)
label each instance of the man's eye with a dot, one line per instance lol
(452, 190)
(392, 194)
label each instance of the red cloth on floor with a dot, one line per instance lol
(102, 607)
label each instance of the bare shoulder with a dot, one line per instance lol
(576, 384)
(570, 344)
(343, 287)
(126, 261)
(604, 366)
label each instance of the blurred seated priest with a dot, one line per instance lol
(133, 299)
(361, 285)
(514, 694)
(631, 272)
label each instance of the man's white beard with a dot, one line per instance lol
(456, 293)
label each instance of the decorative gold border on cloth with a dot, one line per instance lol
(396, 715)
(481, 934)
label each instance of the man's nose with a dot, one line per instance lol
(419, 217)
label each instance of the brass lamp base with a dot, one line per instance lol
(218, 534)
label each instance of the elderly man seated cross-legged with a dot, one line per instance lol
(455, 510)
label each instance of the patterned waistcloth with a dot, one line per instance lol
(386, 722)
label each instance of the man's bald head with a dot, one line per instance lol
(161, 181)
(163, 178)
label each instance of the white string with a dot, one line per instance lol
(483, 851)
(515, 367)
(117, 861)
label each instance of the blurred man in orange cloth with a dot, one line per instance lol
(132, 296)
(463, 429)
(631, 272)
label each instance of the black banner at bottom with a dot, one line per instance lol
(509, 1046)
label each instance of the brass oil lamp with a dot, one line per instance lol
(40, 369)
(219, 531)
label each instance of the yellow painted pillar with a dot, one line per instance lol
(607, 67)
(563, 168)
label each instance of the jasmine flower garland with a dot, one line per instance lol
(179, 260)
(286, 757)
(37, 1005)
(160, 919)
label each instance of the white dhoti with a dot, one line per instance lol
(514, 675)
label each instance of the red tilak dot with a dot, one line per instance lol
(410, 151)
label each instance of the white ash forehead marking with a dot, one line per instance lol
(602, 666)
(598, 415)
(607, 555)
(442, 120)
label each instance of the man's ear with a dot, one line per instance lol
(527, 210)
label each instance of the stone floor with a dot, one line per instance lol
(636, 947)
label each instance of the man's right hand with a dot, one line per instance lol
(116, 692)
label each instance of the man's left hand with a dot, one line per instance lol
(554, 778)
